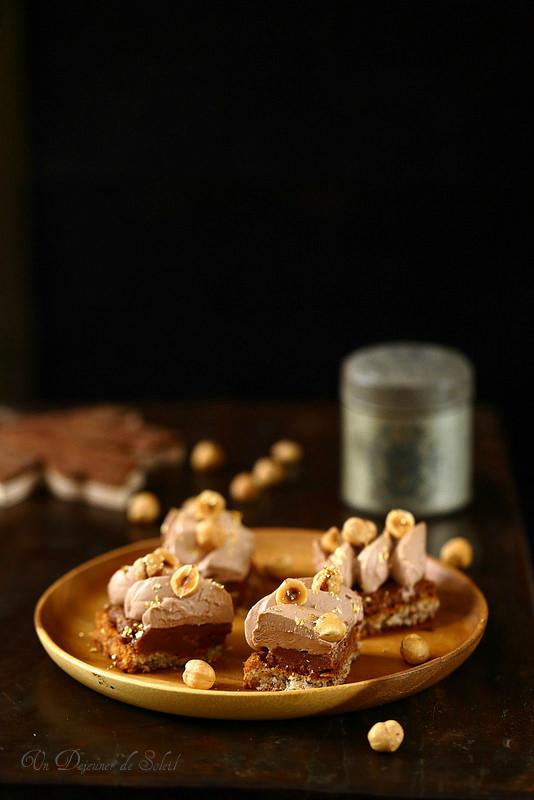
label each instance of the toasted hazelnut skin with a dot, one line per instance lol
(358, 532)
(209, 534)
(168, 558)
(207, 455)
(457, 552)
(267, 472)
(185, 581)
(139, 568)
(198, 674)
(328, 579)
(386, 737)
(143, 508)
(330, 627)
(415, 649)
(287, 451)
(399, 522)
(330, 539)
(243, 488)
(291, 590)
(154, 564)
(210, 503)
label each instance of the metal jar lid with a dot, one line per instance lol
(406, 376)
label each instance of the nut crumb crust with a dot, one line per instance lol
(168, 648)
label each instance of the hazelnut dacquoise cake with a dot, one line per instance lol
(160, 615)
(305, 634)
(204, 532)
(388, 570)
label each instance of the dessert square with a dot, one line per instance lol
(160, 615)
(304, 635)
(388, 569)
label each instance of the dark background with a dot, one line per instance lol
(227, 198)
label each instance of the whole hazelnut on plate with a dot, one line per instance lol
(198, 674)
(415, 649)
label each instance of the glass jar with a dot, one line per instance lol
(406, 428)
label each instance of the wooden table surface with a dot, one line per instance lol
(469, 736)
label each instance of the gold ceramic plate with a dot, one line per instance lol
(65, 614)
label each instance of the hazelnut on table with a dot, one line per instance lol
(243, 488)
(143, 507)
(207, 455)
(268, 472)
(287, 451)
(457, 552)
(386, 737)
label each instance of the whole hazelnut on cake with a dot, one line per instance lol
(399, 522)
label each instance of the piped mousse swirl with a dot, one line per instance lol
(154, 603)
(204, 532)
(160, 593)
(400, 555)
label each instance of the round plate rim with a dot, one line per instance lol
(268, 705)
